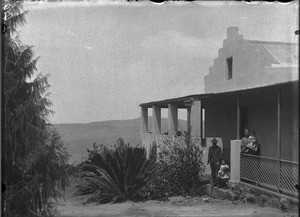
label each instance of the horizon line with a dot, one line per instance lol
(106, 121)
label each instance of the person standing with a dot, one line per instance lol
(245, 140)
(249, 143)
(214, 156)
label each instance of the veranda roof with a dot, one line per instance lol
(184, 100)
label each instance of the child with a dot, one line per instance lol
(252, 145)
(223, 174)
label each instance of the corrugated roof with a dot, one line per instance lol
(286, 54)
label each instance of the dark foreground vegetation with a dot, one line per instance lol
(34, 158)
(125, 173)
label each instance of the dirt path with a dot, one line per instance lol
(176, 207)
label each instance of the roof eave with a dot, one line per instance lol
(181, 100)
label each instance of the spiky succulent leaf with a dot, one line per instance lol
(115, 176)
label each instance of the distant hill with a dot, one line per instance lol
(81, 137)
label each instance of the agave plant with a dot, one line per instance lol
(115, 175)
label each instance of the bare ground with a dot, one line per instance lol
(176, 206)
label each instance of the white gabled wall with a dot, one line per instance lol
(251, 66)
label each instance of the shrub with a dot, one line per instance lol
(178, 166)
(114, 175)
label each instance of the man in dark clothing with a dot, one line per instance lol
(214, 156)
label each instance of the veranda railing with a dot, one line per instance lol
(279, 175)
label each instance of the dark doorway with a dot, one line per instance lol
(244, 119)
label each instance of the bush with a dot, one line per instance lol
(114, 175)
(178, 166)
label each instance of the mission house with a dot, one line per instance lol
(251, 83)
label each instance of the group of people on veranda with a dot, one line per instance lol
(218, 166)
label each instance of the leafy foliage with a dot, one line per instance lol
(33, 155)
(114, 175)
(179, 167)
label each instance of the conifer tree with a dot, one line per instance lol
(34, 158)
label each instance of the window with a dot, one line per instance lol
(229, 67)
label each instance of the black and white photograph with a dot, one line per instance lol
(123, 108)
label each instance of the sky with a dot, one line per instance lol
(105, 58)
